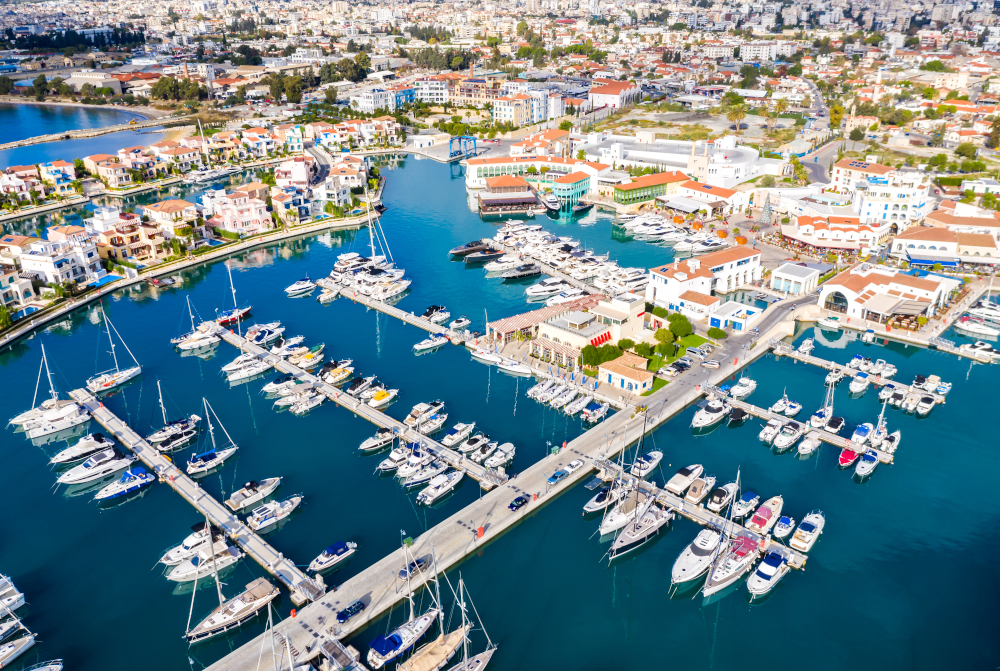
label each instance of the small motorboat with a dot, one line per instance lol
(780, 405)
(867, 464)
(891, 442)
(862, 434)
(645, 464)
(835, 425)
(332, 556)
(594, 412)
(788, 435)
(434, 341)
(699, 489)
(848, 457)
(766, 516)
(807, 346)
(359, 385)
(382, 438)
(743, 388)
(855, 362)
(830, 323)
(439, 486)
(578, 405)
(770, 431)
(925, 405)
(834, 376)
(784, 526)
(130, 481)
(809, 444)
(383, 397)
(769, 573)
(860, 383)
(792, 408)
(173, 428)
(503, 455)
(398, 457)
(747, 503)
(480, 455)
(432, 424)
(460, 323)
(252, 493)
(177, 441)
(721, 497)
(738, 416)
(683, 479)
(808, 532)
(469, 248)
(714, 411)
(606, 496)
(272, 512)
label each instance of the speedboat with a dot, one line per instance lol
(740, 558)
(789, 433)
(784, 526)
(792, 408)
(925, 405)
(384, 436)
(332, 556)
(713, 412)
(502, 455)
(982, 347)
(236, 611)
(239, 362)
(866, 365)
(747, 503)
(862, 434)
(578, 405)
(421, 412)
(283, 382)
(780, 405)
(856, 362)
(86, 446)
(770, 431)
(847, 457)
(808, 532)
(835, 425)
(641, 530)
(457, 434)
(769, 573)
(867, 464)
(382, 397)
(697, 558)
(809, 444)
(130, 481)
(699, 489)
(645, 464)
(460, 323)
(97, 466)
(304, 405)
(416, 461)
(976, 327)
(891, 442)
(206, 561)
(683, 479)
(766, 516)
(55, 420)
(436, 340)
(197, 539)
(338, 375)
(738, 416)
(358, 385)
(829, 323)
(272, 512)
(743, 388)
(821, 417)
(834, 376)
(439, 486)
(721, 496)
(252, 369)
(425, 474)
(594, 412)
(264, 337)
(432, 423)
(807, 346)
(563, 398)
(479, 456)
(514, 367)
(252, 493)
(469, 248)
(607, 496)
(176, 441)
(396, 458)
(474, 443)
(206, 461)
(860, 383)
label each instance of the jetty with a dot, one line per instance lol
(91, 132)
(487, 478)
(302, 587)
(392, 311)
(546, 268)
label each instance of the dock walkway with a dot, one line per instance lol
(391, 310)
(546, 268)
(301, 586)
(487, 479)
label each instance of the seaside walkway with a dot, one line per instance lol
(301, 586)
(487, 479)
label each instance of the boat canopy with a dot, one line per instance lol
(774, 559)
(386, 645)
(747, 497)
(807, 527)
(338, 548)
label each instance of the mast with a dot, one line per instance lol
(215, 568)
(194, 590)
(204, 145)
(111, 327)
(437, 589)
(190, 312)
(208, 420)
(112, 340)
(409, 592)
(465, 620)
(48, 373)
(162, 407)
(231, 286)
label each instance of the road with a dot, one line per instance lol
(817, 163)
(323, 163)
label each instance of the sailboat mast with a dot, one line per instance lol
(409, 592)
(437, 589)
(465, 620)
(194, 590)
(111, 327)
(215, 568)
(208, 420)
(112, 340)
(162, 407)
(48, 374)
(190, 312)
(204, 145)
(231, 285)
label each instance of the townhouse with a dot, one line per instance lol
(241, 213)
(121, 236)
(688, 286)
(173, 217)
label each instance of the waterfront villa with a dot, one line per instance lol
(296, 172)
(182, 158)
(20, 188)
(878, 293)
(627, 372)
(115, 175)
(239, 213)
(562, 335)
(91, 162)
(72, 260)
(171, 215)
(58, 176)
(125, 236)
(14, 290)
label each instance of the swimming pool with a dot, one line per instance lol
(20, 314)
(107, 279)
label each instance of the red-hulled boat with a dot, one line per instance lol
(848, 457)
(234, 314)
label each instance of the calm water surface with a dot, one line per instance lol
(901, 578)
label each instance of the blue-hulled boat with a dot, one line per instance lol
(131, 480)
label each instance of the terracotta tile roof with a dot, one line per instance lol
(699, 298)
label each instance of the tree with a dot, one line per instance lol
(6, 85)
(363, 60)
(966, 150)
(857, 135)
(293, 89)
(566, 125)
(625, 343)
(79, 167)
(935, 66)
(330, 95)
(40, 86)
(276, 84)
(663, 336)
(767, 181)
(836, 116)
(993, 141)
(681, 327)
(581, 155)
(716, 333)
(736, 114)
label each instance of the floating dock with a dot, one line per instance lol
(301, 586)
(487, 479)
(392, 311)
(546, 268)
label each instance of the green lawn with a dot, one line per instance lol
(693, 340)
(658, 383)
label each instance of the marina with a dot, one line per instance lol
(518, 550)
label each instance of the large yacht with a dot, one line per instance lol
(697, 557)
(236, 611)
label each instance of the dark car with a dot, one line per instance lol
(743, 126)
(518, 503)
(352, 609)
(412, 567)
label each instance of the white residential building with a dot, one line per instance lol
(686, 286)
(882, 195)
(373, 99)
(74, 260)
(433, 90)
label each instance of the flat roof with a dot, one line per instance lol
(795, 270)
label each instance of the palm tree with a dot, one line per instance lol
(736, 114)
(771, 115)
(780, 105)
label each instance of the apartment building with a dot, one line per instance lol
(883, 196)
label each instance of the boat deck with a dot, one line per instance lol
(301, 586)
(487, 479)
(699, 514)
(546, 268)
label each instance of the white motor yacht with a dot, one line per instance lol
(769, 573)
(303, 406)
(770, 431)
(416, 461)
(382, 398)
(808, 532)
(732, 566)
(809, 444)
(287, 346)
(743, 388)
(432, 424)
(721, 497)
(425, 474)
(98, 466)
(925, 405)
(332, 556)
(272, 512)
(60, 418)
(646, 464)
(502, 455)
(486, 355)
(696, 559)
(432, 342)
(505, 262)
(439, 487)
(606, 496)
(252, 492)
(747, 503)
(766, 516)
(789, 433)
(514, 367)
(550, 286)
(240, 361)
(235, 612)
(206, 561)
(479, 455)
(806, 346)
(383, 437)
(713, 412)
(594, 412)
(866, 465)
(421, 412)
(679, 483)
(130, 481)
(397, 457)
(633, 503)
(457, 434)
(303, 286)
(197, 539)
(860, 383)
(460, 324)
(862, 434)
(86, 446)
(252, 369)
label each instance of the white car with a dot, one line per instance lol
(710, 363)
(573, 465)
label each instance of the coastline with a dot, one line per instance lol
(145, 113)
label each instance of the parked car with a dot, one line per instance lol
(671, 370)
(574, 465)
(412, 568)
(695, 353)
(709, 363)
(558, 477)
(685, 361)
(518, 503)
(350, 611)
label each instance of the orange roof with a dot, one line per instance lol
(672, 269)
(572, 178)
(727, 255)
(862, 166)
(505, 181)
(656, 179)
(708, 189)
(699, 298)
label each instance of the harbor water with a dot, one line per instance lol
(905, 558)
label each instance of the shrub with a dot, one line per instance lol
(660, 312)
(676, 316)
(785, 220)
(644, 349)
(228, 235)
(664, 348)
(716, 333)
(625, 343)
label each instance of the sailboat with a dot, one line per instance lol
(171, 428)
(232, 613)
(384, 649)
(732, 563)
(822, 417)
(199, 337)
(202, 463)
(434, 655)
(110, 379)
(52, 416)
(476, 662)
(236, 313)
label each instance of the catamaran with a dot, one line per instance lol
(108, 380)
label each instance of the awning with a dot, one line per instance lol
(931, 262)
(911, 308)
(683, 204)
(882, 304)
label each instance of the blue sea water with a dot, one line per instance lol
(902, 577)
(22, 121)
